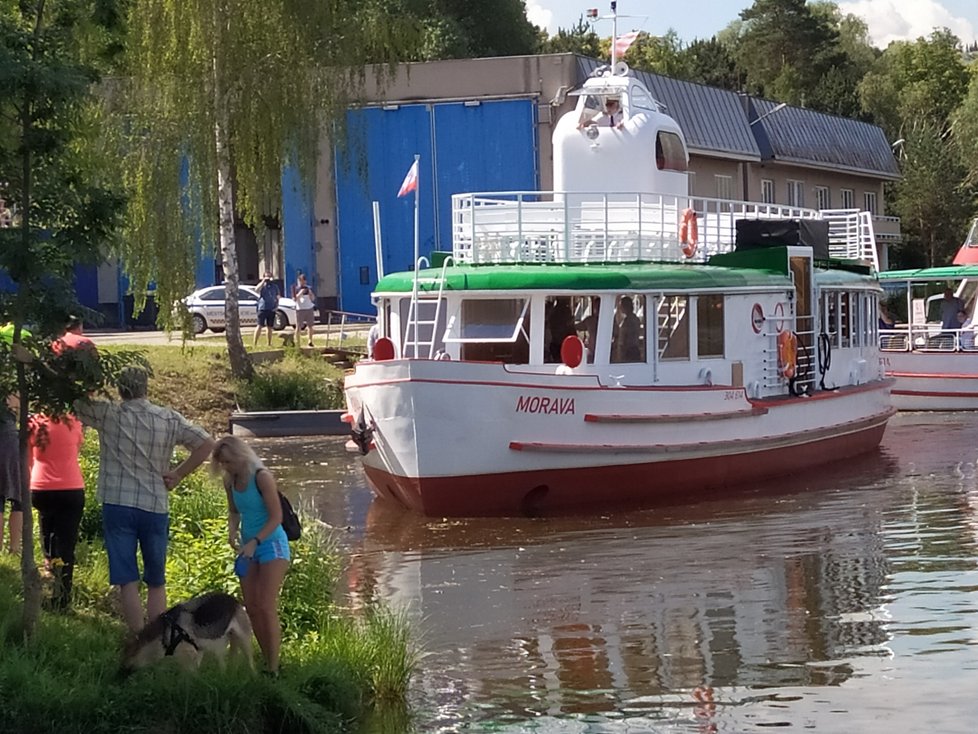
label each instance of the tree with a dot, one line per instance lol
(67, 213)
(710, 62)
(929, 198)
(580, 39)
(221, 96)
(658, 54)
(964, 127)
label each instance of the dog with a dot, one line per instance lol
(211, 623)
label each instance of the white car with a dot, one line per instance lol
(206, 307)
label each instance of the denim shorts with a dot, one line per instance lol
(124, 528)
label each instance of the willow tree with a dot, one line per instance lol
(219, 97)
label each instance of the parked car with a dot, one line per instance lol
(206, 307)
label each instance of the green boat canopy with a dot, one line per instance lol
(949, 272)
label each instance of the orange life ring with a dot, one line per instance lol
(787, 353)
(688, 232)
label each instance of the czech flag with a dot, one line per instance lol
(624, 41)
(410, 181)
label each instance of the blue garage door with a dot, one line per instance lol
(464, 146)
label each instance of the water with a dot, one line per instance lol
(842, 601)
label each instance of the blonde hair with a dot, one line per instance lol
(242, 458)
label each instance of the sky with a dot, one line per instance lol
(888, 20)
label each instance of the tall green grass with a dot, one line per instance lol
(337, 668)
(294, 383)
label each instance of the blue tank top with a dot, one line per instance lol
(251, 507)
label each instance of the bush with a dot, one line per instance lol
(295, 383)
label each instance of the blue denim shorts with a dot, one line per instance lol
(124, 528)
(272, 548)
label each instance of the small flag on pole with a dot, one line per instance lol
(410, 181)
(623, 42)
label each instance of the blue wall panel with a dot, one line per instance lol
(489, 146)
(381, 145)
(298, 230)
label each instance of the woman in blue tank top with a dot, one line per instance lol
(255, 532)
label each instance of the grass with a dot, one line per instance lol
(196, 381)
(337, 668)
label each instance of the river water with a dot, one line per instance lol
(841, 601)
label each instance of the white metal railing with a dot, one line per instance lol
(927, 338)
(348, 323)
(561, 227)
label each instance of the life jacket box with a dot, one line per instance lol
(757, 233)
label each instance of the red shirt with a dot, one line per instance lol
(71, 340)
(54, 465)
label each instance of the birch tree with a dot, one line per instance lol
(219, 96)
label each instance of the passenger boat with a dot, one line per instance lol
(618, 341)
(928, 348)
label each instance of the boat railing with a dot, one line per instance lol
(578, 227)
(926, 338)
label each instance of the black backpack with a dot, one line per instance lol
(290, 521)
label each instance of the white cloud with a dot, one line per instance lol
(540, 16)
(907, 20)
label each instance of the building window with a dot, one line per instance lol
(691, 182)
(724, 187)
(869, 202)
(823, 200)
(796, 193)
(848, 198)
(767, 191)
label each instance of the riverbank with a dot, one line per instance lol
(336, 667)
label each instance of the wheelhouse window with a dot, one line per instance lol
(670, 153)
(628, 337)
(709, 329)
(672, 319)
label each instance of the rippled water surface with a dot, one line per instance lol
(840, 601)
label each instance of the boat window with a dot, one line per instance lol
(640, 99)
(709, 326)
(670, 153)
(845, 321)
(559, 325)
(628, 335)
(494, 330)
(672, 318)
(586, 311)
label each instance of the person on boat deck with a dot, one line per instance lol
(886, 321)
(966, 337)
(561, 323)
(589, 325)
(949, 310)
(626, 345)
(612, 116)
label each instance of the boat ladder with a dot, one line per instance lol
(424, 313)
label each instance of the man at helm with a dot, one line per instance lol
(610, 116)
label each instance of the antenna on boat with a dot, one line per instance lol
(616, 43)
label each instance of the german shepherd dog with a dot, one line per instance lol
(210, 623)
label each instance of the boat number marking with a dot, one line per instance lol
(757, 318)
(536, 404)
(732, 395)
(779, 315)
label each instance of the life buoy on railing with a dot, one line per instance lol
(787, 353)
(688, 232)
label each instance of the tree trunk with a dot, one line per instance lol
(241, 366)
(28, 568)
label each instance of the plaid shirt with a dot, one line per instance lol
(136, 442)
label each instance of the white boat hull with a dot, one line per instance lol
(460, 438)
(933, 380)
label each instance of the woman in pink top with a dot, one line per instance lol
(58, 494)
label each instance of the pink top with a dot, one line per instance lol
(54, 465)
(71, 340)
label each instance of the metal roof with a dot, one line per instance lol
(717, 122)
(948, 272)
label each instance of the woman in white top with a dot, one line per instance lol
(305, 304)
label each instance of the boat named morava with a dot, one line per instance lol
(580, 350)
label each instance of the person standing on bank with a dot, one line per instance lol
(267, 304)
(58, 495)
(305, 305)
(136, 442)
(255, 532)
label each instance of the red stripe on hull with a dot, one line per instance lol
(561, 490)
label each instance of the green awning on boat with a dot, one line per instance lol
(949, 272)
(584, 277)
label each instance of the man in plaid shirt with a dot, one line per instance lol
(136, 442)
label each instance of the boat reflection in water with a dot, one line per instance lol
(637, 613)
(846, 602)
